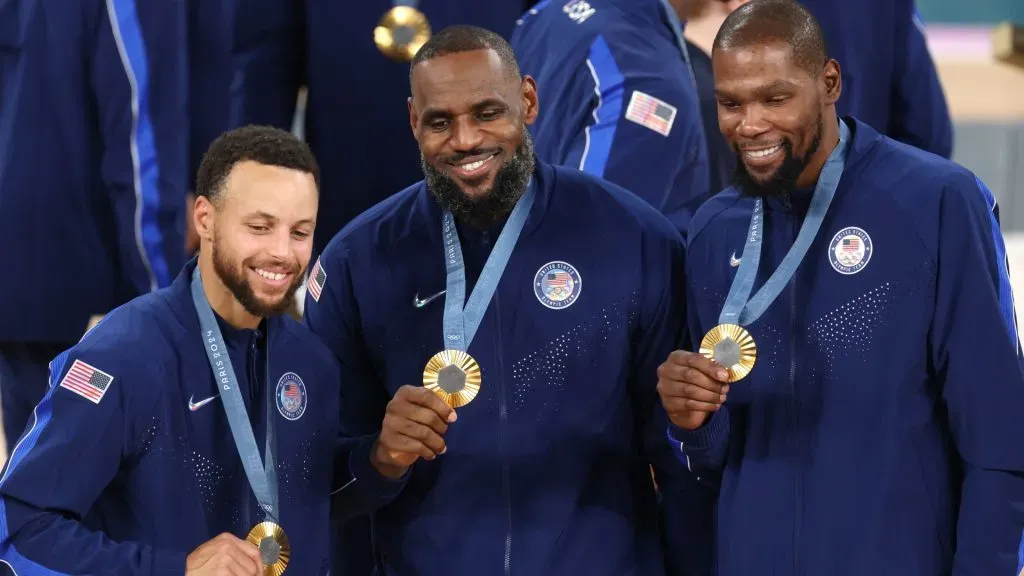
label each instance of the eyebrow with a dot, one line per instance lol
(271, 217)
(433, 113)
(761, 91)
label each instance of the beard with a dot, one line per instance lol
(509, 185)
(784, 179)
(233, 276)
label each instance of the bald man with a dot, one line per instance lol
(860, 406)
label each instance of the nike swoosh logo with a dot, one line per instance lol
(420, 303)
(193, 406)
(734, 261)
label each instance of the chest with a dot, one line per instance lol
(858, 301)
(561, 318)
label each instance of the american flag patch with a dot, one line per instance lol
(87, 381)
(315, 282)
(648, 111)
(851, 243)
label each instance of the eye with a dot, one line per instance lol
(777, 99)
(490, 114)
(438, 125)
(728, 104)
(300, 234)
(259, 228)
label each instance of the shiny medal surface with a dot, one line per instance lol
(401, 32)
(732, 347)
(273, 545)
(454, 376)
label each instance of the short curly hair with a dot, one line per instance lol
(262, 144)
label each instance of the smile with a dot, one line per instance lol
(762, 156)
(272, 278)
(474, 168)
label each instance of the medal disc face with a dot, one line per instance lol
(273, 546)
(732, 347)
(454, 376)
(401, 32)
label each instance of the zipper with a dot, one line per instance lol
(506, 481)
(797, 479)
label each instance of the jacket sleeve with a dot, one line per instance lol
(645, 131)
(70, 453)
(976, 356)
(138, 75)
(687, 505)
(920, 114)
(268, 55)
(331, 312)
(703, 450)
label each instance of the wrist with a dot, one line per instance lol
(382, 463)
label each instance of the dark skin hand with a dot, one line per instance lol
(692, 388)
(414, 426)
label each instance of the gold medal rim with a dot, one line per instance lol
(270, 529)
(464, 362)
(748, 349)
(384, 32)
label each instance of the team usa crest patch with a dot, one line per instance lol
(850, 250)
(315, 282)
(87, 381)
(291, 396)
(557, 285)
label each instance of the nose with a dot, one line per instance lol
(280, 244)
(466, 135)
(752, 123)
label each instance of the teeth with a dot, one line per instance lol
(473, 165)
(763, 153)
(270, 275)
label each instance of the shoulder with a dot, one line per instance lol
(610, 202)
(130, 350)
(301, 343)
(710, 213)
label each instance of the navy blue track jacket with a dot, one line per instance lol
(889, 78)
(129, 463)
(357, 119)
(878, 432)
(617, 99)
(93, 159)
(547, 469)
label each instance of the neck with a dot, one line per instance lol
(221, 299)
(829, 141)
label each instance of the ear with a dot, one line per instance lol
(414, 117)
(202, 217)
(531, 100)
(833, 77)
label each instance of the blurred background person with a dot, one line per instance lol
(93, 173)
(618, 98)
(355, 116)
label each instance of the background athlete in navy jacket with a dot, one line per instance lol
(129, 466)
(93, 173)
(618, 98)
(547, 470)
(876, 432)
(356, 96)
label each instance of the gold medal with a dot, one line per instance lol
(454, 376)
(401, 32)
(273, 545)
(732, 347)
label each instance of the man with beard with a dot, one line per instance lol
(859, 376)
(504, 319)
(146, 454)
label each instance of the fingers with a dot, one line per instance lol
(424, 397)
(405, 435)
(689, 382)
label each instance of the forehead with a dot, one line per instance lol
(756, 63)
(284, 193)
(456, 80)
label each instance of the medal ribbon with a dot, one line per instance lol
(461, 323)
(743, 312)
(262, 476)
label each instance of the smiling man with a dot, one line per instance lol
(862, 407)
(146, 456)
(504, 320)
